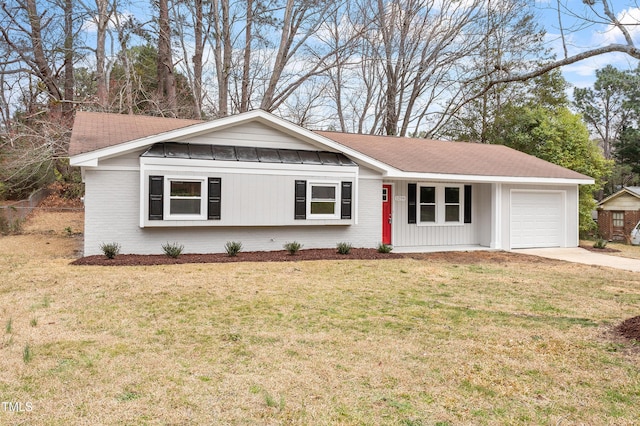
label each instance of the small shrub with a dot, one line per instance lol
(9, 326)
(344, 248)
(233, 248)
(34, 322)
(111, 250)
(600, 243)
(293, 247)
(384, 248)
(173, 249)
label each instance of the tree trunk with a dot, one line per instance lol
(102, 22)
(222, 53)
(246, 63)
(197, 60)
(166, 78)
(69, 83)
(42, 69)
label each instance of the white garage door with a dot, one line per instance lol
(536, 219)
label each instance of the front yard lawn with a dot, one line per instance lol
(356, 342)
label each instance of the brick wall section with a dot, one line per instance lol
(605, 224)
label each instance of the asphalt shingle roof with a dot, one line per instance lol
(96, 130)
(446, 157)
(93, 131)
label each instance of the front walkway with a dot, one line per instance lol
(580, 255)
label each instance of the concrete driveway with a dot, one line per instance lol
(580, 255)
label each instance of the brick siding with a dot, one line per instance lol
(605, 224)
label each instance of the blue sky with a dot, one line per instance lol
(584, 30)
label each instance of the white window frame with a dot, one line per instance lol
(440, 205)
(336, 200)
(459, 203)
(168, 198)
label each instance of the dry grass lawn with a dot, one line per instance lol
(398, 342)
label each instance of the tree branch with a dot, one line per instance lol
(543, 69)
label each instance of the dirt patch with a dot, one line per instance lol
(630, 328)
(599, 250)
(480, 256)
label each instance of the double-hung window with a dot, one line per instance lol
(618, 219)
(185, 197)
(452, 204)
(440, 204)
(428, 204)
(323, 200)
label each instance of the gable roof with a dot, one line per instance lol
(102, 135)
(634, 191)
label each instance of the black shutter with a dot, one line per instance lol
(467, 203)
(345, 210)
(300, 208)
(214, 198)
(412, 197)
(156, 192)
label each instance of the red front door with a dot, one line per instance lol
(386, 214)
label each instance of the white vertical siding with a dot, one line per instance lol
(474, 233)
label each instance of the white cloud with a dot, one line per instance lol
(90, 25)
(630, 18)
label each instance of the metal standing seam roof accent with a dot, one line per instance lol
(245, 154)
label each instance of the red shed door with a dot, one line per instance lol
(386, 214)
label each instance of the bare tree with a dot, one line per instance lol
(30, 36)
(166, 78)
(191, 24)
(100, 14)
(300, 22)
(412, 48)
(69, 80)
(222, 52)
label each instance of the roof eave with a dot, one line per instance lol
(447, 177)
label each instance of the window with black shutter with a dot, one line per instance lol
(345, 210)
(467, 203)
(300, 208)
(214, 199)
(156, 201)
(412, 199)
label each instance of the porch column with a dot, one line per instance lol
(496, 216)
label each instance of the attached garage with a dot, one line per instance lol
(537, 219)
